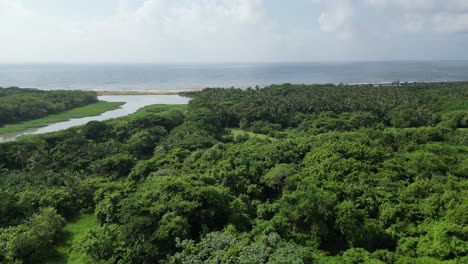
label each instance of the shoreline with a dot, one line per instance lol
(177, 91)
(141, 91)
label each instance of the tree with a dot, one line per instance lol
(32, 240)
(277, 175)
(101, 245)
(95, 130)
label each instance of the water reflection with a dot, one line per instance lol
(132, 104)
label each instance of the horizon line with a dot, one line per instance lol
(226, 62)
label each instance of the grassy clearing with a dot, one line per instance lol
(72, 232)
(237, 132)
(154, 109)
(88, 110)
(150, 92)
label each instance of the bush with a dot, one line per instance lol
(33, 240)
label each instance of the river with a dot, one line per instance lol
(132, 104)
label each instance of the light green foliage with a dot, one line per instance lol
(67, 249)
(228, 247)
(238, 134)
(100, 245)
(443, 241)
(32, 240)
(276, 176)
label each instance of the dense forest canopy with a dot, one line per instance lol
(284, 174)
(19, 104)
(403, 105)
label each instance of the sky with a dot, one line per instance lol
(219, 31)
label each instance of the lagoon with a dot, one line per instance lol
(132, 104)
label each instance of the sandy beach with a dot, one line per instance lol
(142, 92)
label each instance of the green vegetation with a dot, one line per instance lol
(30, 241)
(149, 92)
(88, 110)
(322, 174)
(160, 109)
(239, 133)
(73, 232)
(18, 105)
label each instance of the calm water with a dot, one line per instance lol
(180, 77)
(132, 104)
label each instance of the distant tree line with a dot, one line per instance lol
(19, 104)
(406, 105)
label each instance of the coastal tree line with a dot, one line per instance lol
(18, 104)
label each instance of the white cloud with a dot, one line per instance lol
(196, 23)
(450, 23)
(448, 16)
(405, 4)
(377, 3)
(13, 8)
(454, 5)
(226, 30)
(413, 22)
(155, 31)
(338, 19)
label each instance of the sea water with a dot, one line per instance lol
(168, 77)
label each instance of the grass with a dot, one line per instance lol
(137, 92)
(72, 232)
(238, 132)
(88, 110)
(161, 109)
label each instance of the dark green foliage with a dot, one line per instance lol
(407, 105)
(180, 207)
(143, 142)
(264, 127)
(24, 104)
(322, 174)
(409, 116)
(9, 210)
(95, 130)
(115, 166)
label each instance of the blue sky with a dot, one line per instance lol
(198, 31)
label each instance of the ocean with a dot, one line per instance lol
(174, 77)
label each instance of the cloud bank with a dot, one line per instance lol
(178, 31)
